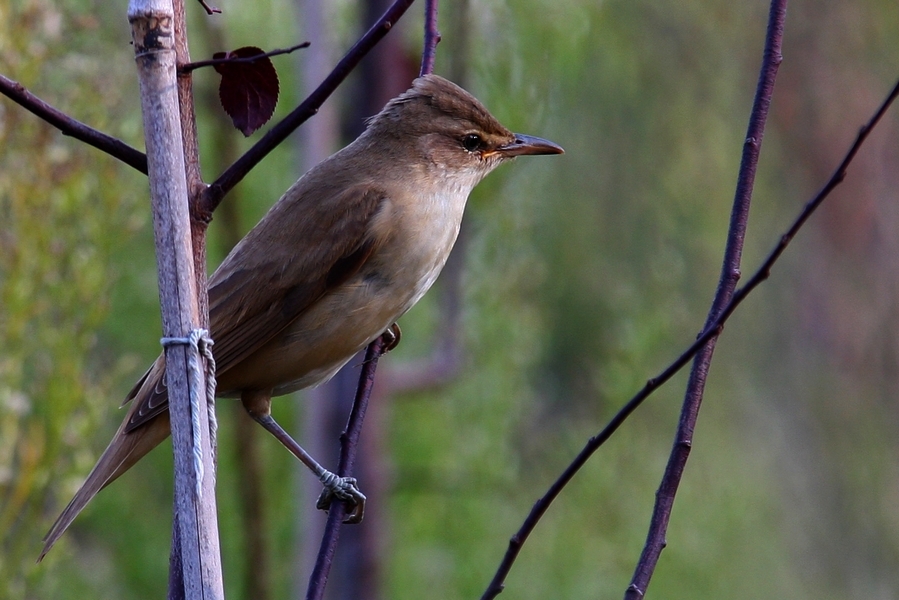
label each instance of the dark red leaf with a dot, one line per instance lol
(249, 89)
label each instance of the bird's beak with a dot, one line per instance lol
(528, 144)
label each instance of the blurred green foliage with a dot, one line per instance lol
(585, 275)
(64, 215)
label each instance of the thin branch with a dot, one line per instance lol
(764, 271)
(730, 274)
(348, 443)
(237, 171)
(70, 127)
(713, 330)
(210, 10)
(432, 38)
(236, 59)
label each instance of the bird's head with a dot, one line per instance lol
(452, 130)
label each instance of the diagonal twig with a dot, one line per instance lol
(839, 174)
(235, 59)
(210, 10)
(116, 148)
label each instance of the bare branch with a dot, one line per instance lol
(210, 10)
(348, 443)
(70, 127)
(237, 171)
(432, 38)
(235, 59)
(730, 274)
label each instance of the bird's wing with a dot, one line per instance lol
(299, 251)
(283, 270)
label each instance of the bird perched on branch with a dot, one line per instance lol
(347, 250)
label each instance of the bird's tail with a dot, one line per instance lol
(125, 449)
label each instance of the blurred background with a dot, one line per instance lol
(576, 278)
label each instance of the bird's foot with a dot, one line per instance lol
(391, 338)
(347, 491)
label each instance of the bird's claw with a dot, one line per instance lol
(347, 491)
(391, 338)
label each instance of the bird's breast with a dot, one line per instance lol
(413, 242)
(417, 239)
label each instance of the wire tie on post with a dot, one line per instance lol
(200, 343)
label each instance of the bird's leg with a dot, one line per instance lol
(258, 405)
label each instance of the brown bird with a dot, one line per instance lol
(347, 250)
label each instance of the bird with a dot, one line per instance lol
(343, 254)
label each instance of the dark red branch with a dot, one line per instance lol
(235, 59)
(277, 134)
(432, 38)
(349, 441)
(70, 127)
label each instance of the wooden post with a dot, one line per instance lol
(152, 23)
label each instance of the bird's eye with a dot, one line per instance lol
(472, 142)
